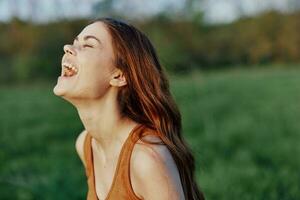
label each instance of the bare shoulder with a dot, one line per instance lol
(154, 172)
(79, 145)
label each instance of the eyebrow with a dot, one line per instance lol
(89, 37)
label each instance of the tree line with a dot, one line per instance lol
(33, 51)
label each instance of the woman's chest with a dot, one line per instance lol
(104, 177)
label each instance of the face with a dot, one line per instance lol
(87, 65)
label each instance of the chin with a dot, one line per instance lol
(63, 86)
(58, 91)
(62, 92)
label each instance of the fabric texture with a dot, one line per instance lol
(121, 188)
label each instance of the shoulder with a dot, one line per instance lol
(79, 145)
(154, 172)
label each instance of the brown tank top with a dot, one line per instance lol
(121, 188)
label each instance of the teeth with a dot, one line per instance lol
(69, 69)
(74, 69)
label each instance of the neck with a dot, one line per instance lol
(103, 121)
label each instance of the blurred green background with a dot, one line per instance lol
(236, 79)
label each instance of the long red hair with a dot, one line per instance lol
(146, 98)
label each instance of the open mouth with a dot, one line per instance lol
(69, 70)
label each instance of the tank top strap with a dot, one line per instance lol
(132, 141)
(88, 156)
(87, 153)
(135, 136)
(124, 171)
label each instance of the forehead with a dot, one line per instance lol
(97, 29)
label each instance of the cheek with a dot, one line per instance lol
(92, 87)
(96, 70)
(94, 80)
(98, 60)
(97, 86)
(99, 69)
(94, 75)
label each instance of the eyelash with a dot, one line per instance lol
(86, 45)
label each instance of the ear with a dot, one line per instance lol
(118, 78)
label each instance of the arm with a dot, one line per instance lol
(155, 174)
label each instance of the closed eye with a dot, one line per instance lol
(86, 45)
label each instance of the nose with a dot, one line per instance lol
(69, 49)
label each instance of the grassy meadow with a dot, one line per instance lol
(242, 125)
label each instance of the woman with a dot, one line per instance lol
(132, 146)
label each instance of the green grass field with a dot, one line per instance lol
(242, 125)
